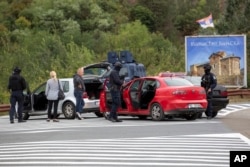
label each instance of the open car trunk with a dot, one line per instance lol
(93, 90)
(93, 87)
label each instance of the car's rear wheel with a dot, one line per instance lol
(69, 110)
(156, 112)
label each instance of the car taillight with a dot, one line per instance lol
(85, 95)
(179, 92)
(223, 93)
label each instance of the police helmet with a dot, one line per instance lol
(207, 67)
(118, 64)
(17, 70)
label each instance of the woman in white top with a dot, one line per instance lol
(51, 91)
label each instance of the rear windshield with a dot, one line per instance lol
(194, 80)
(177, 82)
(95, 71)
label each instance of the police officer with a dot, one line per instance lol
(16, 86)
(115, 86)
(209, 82)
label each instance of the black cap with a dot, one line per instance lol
(17, 70)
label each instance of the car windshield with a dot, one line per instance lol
(95, 71)
(177, 82)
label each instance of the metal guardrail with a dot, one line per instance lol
(4, 107)
(237, 92)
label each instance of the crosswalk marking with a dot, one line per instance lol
(232, 108)
(185, 150)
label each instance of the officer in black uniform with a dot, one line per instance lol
(16, 86)
(115, 86)
(209, 82)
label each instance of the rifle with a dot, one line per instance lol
(205, 82)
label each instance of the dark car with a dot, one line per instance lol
(219, 100)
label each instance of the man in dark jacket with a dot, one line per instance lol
(209, 82)
(115, 86)
(16, 86)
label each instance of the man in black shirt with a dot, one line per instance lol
(16, 86)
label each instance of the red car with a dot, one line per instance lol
(157, 97)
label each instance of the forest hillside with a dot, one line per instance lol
(62, 35)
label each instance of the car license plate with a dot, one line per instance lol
(194, 106)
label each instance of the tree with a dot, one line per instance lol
(144, 15)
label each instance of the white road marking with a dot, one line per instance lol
(182, 150)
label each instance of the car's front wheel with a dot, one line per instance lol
(68, 110)
(156, 112)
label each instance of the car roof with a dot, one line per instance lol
(65, 79)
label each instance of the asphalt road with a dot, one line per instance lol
(97, 142)
(238, 122)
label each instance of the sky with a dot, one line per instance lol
(199, 48)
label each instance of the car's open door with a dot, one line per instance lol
(38, 99)
(105, 97)
(135, 93)
(27, 98)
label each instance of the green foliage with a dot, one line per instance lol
(145, 16)
(22, 23)
(63, 35)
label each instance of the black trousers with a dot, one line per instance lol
(16, 98)
(51, 103)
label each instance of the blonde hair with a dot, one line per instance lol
(52, 74)
(80, 71)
